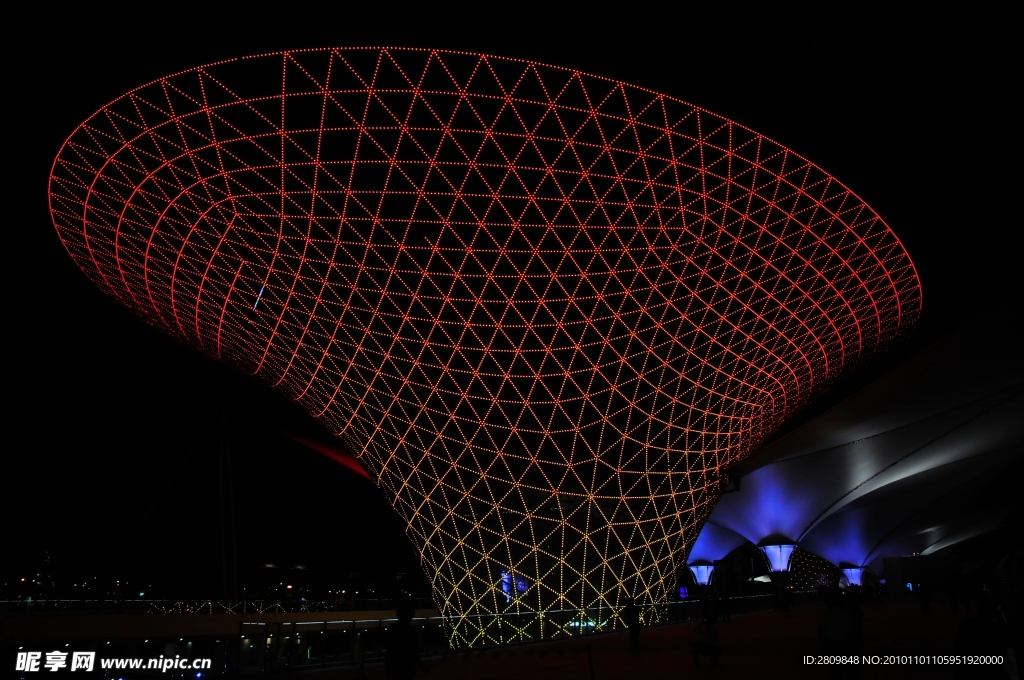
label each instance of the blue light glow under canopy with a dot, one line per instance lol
(778, 556)
(714, 543)
(702, 573)
(511, 584)
(854, 575)
(684, 592)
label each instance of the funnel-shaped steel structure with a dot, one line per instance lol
(544, 309)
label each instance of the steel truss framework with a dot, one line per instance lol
(544, 309)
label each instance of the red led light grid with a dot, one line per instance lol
(544, 309)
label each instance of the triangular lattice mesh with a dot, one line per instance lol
(545, 309)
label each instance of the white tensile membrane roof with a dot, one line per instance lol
(898, 468)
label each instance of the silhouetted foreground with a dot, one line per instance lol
(402, 657)
(767, 644)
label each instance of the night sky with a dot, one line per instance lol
(116, 434)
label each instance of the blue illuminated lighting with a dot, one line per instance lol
(511, 584)
(778, 556)
(910, 587)
(683, 593)
(259, 296)
(585, 624)
(702, 573)
(714, 543)
(774, 502)
(843, 539)
(506, 585)
(854, 575)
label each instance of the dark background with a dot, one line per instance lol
(114, 460)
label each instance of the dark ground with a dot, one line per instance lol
(765, 645)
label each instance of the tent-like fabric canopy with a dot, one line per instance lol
(898, 468)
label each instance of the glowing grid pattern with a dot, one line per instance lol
(543, 308)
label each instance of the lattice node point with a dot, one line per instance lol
(543, 308)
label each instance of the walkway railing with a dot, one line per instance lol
(183, 606)
(279, 646)
(265, 644)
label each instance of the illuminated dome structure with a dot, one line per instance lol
(544, 309)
